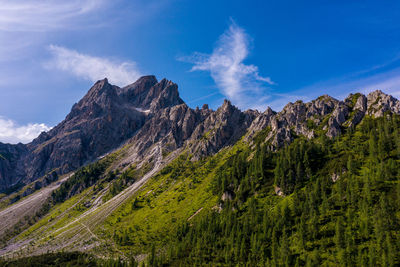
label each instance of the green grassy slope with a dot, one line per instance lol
(178, 194)
(353, 220)
(340, 206)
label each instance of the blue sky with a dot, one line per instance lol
(255, 53)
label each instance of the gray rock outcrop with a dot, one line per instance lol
(150, 111)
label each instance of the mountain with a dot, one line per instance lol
(135, 173)
(147, 111)
(101, 121)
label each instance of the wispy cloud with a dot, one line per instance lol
(33, 15)
(12, 133)
(26, 24)
(93, 68)
(391, 85)
(239, 82)
(365, 81)
(202, 98)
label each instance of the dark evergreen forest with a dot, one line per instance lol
(340, 205)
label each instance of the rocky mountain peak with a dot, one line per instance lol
(164, 94)
(204, 107)
(376, 94)
(379, 103)
(143, 84)
(100, 91)
(356, 102)
(227, 105)
(219, 128)
(137, 92)
(269, 111)
(227, 108)
(149, 94)
(149, 111)
(101, 96)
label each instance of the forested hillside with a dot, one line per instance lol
(339, 207)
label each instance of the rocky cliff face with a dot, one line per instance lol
(149, 112)
(9, 156)
(202, 131)
(222, 127)
(325, 115)
(95, 125)
(102, 120)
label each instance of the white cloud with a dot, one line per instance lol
(12, 133)
(25, 24)
(239, 82)
(92, 68)
(44, 15)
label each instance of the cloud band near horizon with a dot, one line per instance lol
(11, 132)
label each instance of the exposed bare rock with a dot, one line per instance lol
(361, 103)
(337, 118)
(203, 132)
(340, 113)
(321, 106)
(294, 117)
(358, 106)
(379, 103)
(167, 95)
(172, 126)
(301, 129)
(261, 121)
(149, 112)
(9, 157)
(99, 122)
(357, 117)
(314, 110)
(282, 136)
(274, 124)
(102, 120)
(138, 93)
(293, 113)
(220, 128)
(299, 118)
(148, 94)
